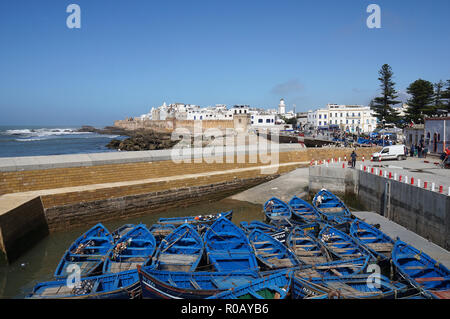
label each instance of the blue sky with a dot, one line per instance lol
(131, 55)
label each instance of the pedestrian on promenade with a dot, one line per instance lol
(353, 156)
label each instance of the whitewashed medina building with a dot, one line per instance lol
(349, 118)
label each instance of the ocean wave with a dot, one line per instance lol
(44, 131)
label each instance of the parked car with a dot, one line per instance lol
(391, 152)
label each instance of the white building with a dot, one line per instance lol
(282, 107)
(437, 134)
(349, 118)
(259, 120)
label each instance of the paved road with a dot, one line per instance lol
(419, 168)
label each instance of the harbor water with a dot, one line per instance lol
(39, 263)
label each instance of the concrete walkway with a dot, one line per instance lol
(283, 187)
(394, 230)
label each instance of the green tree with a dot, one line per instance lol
(446, 95)
(422, 100)
(438, 95)
(382, 105)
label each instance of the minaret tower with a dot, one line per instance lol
(281, 107)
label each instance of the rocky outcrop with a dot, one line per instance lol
(110, 130)
(143, 140)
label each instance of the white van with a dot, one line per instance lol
(391, 152)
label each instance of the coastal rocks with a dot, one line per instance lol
(109, 130)
(143, 140)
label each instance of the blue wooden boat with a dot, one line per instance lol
(179, 251)
(259, 225)
(277, 211)
(124, 285)
(158, 284)
(340, 244)
(122, 230)
(276, 286)
(306, 247)
(206, 219)
(359, 286)
(420, 270)
(270, 252)
(311, 229)
(132, 249)
(228, 248)
(274, 231)
(373, 239)
(303, 211)
(88, 252)
(344, 267)
(160, 231)
(330, 206)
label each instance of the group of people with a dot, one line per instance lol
(418, 150)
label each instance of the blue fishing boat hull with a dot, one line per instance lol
(182, 250)
(228, 248)
(123, 285)
(132, 249)
(346, 267)
(276, 286)
(306, 247)
(341, 245)
(331, 207)
(346, 287)
(157, 284)
(277, 211)
(87, 252)
(372, 239)
(422, 271)
(303, 211)
(270, 252)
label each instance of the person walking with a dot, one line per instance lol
(353, 156)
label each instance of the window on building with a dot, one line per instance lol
(260, 120)
(324, 116)
(320, 123)
(320, 116)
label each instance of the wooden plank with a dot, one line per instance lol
(331, 209)
(314, 260)
(177, 259)
(285, 262)
(428, 279)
